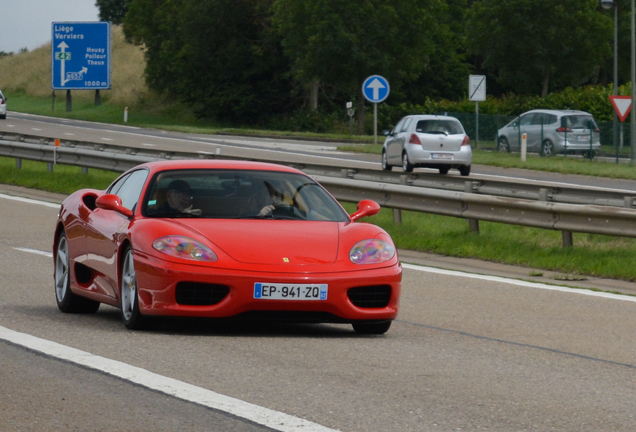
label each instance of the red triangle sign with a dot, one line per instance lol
(622, 105)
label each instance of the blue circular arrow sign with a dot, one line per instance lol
(376, 88)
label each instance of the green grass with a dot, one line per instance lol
(558, 164)
(64, 179)
(592, 255)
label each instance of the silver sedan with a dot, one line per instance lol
(429, 141)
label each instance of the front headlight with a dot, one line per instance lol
(184, 247)
(371, 251)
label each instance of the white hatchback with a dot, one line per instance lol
(430, 141)
(3, 106)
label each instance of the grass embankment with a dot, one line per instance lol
(596, 255)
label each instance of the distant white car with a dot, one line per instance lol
(3, 106)
(430, 141)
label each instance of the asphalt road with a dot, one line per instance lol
(465, 354)
(257, 147)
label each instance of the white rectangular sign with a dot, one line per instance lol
(477, 88)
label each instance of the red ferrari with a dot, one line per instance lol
(224, 239)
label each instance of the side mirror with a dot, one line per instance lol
(112, 202)
(386, 132)
(365, 208)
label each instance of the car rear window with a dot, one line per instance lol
(578, 121)
(449, 127)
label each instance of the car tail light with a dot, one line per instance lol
(564, 129)
(597, 129)
(466, 141)
(415, 140)
(3, 101)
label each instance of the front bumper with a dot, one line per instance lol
(157, 281)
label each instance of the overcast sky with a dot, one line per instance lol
(27, 23)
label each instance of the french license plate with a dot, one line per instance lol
(281, 291)
(441, 156)
(583, 137)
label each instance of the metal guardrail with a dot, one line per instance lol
(569, 209)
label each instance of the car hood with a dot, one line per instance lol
(271, 241)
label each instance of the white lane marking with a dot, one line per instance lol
(29, 200)
(68, 133)
(36, 129)
(107, 139)
(518, 282)
(35, 251)
(265, 150)
(149, 145)
(272, 419)
(11, 125)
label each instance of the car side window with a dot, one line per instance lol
(406, 125)
(527, 119)
(398, 127)
(114, 188)
(540, 119)
(130, 189)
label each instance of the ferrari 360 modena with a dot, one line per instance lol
(225, 240)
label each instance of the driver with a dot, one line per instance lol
(179, 199)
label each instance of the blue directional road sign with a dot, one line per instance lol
(376, 88)
(80, 55)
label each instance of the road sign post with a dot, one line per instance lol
(477, 92)
(375, 89)
(622, 106)
(80, 57)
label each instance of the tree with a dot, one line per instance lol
(533, 46)
(220, 57)
(340, 43)
(112, 10)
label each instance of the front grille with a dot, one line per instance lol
(375, 296)
(200, 294)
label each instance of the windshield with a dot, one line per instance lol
(239, 194)
(446, 127)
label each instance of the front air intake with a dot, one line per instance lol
(375, 296)
(200, 294)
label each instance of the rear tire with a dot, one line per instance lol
(406, 164)
(464, 170)
(67, 301)
(547, 149)
(378, 327)
(385, 162)
(129, 296)
(444, 170)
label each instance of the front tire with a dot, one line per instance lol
(129, 295)
(385, 162)
(67, 301)
(406, 164)
(376, 328)
(503, 145)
